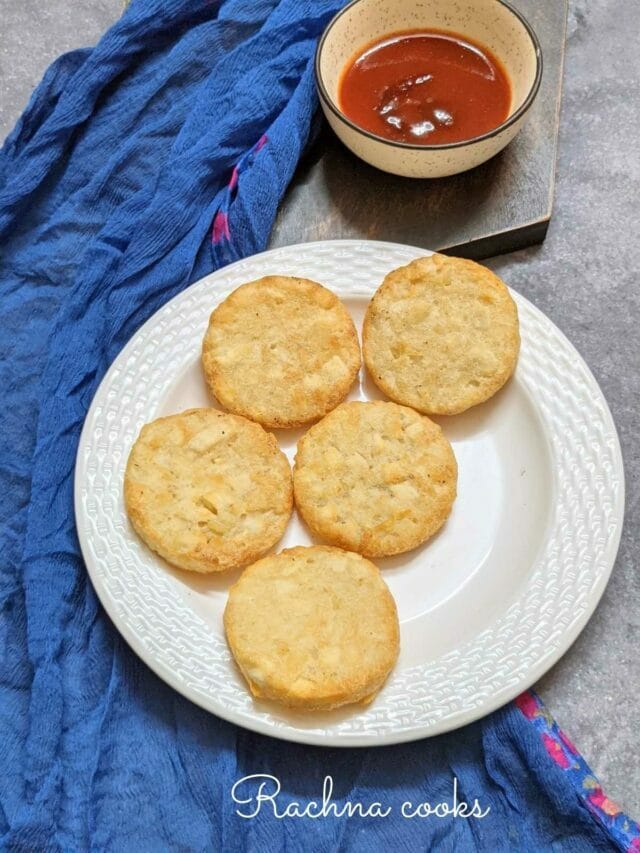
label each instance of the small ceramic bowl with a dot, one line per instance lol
(492, 23)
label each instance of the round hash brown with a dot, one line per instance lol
(376, 478)
(206, 490)
(441, 335)
(282, 351)
(313, 628)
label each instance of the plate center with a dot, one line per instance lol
(453, 586)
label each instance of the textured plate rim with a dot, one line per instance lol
(312, 737)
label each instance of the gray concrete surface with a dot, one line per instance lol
(585, 277)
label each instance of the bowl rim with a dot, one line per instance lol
(508, 122)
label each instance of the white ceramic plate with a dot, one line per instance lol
(486, 606)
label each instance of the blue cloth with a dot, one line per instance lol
(109, 187)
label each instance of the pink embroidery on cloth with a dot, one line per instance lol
(220, 230)
(220, 227)
(623, 831)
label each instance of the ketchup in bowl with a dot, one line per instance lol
(425, 87)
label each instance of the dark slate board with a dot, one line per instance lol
(498, 207)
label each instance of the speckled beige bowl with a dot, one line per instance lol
(492, 23)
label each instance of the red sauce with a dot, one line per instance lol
(426, 87)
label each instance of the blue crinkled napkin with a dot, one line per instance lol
(138, 167)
